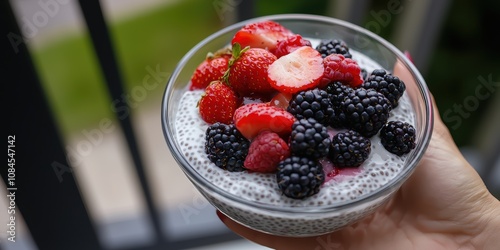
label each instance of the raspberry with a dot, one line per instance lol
(339, 68)
(265, 152)
(313, 103)
(387, 84)
(349, 149)
(299, 177)
(289, 44)
(337, 93)
(334, 46)
(398, 137)
(366, 111)
(226, 147)
(309, 138)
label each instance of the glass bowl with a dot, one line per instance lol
(299, 220)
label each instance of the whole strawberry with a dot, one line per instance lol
(265, 152)
(344, 70)
(211, 69)
(247, 73)
(218, 103)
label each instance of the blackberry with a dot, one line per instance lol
(299, 177)
(366, 111)
(334, 46)
(398, 137)
(349, 149)
(313, 103)
(387, 84)
(226, 147)
(309, 138)
(337, 93)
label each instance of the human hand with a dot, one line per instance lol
(443, 205)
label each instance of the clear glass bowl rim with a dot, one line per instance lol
(386, 189)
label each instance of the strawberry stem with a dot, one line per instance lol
(236, 54)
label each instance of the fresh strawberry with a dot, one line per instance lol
(218, 103)
(302, 69)
(247, 73)
(265, 35)
(211, 69)
(344, 70)
(289, 44)
(281, 100)
(265, 152)
(251, 119)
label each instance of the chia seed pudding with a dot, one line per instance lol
(262, 189)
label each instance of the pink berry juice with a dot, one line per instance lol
(254, 199)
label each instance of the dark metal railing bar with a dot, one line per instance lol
(245, 10)
(99, 33)
(52, 207)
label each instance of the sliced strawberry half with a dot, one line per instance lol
(251, 119)
(301, 69)
(265, 35)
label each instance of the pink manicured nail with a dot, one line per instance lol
(221, 216)
(407, 54)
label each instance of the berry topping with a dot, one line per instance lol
(218, 103)
(289, 44)
(247, 73)
(366, 111)
(300, 70)
(213, 68)
(313, 103)
(281, 100)
(265, 35)
(309, 138)
(339, 68)
(226, 147)
(251, 119)
(300, 177)
(334, 46)
(265, 152)
(349, 149)
(398, 137)
(337, 93)
(387, 84)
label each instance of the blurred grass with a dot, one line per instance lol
(70, 71)
(78, 95)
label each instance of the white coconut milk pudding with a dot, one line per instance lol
(294, 123)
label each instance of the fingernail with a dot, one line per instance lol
(221, 216)
(407, 54)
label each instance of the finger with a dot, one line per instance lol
(440, 131)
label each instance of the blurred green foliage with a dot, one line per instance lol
(466, 50)
(71, 75)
